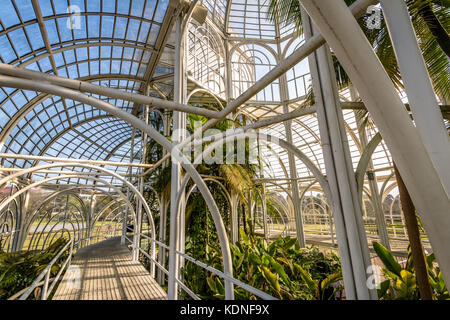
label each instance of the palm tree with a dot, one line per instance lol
(424, 9)
(237, 178)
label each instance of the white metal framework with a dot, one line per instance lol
(87, 86)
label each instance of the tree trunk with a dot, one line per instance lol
(412, 227)
(436, 28)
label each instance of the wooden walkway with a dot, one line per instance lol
(105, 271)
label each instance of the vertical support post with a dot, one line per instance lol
(249, 209)
(420, 92)
(374, 191)
(336, 23)
(263, 191)
(45, 286)
(139, 204)
(284, 94)
(90, 227)
(330, 218)
(264, 212)
(20, 235)
(162, 237)
(234, 217)
(293, 175)
(163, 210)
(178, 135)
(228, 72)
(293, 171)
(125, 212)
(352, 239)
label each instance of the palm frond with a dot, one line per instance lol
(237, 177)
(285, 13)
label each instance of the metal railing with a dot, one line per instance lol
(46, 275)
(48, 287)
(213, 270)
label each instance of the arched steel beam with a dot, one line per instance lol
(206, 91)
(288, 193)
(47, 166)
(40, 182)
(383, 186)
(231, 135)
(336, 23)
(224, 190)
(35, 184)
(81, 86)
(281, 207)
(364, 162)
(147, 209)
(222, 138)
(159, 138)
(29, 218)
(25, 109)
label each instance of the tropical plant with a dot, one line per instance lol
(19, 269)
(401, 284)
(280, 268)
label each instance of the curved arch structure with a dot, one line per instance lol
(403, 139)
(93, 93)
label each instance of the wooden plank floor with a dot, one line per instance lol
(105, 271)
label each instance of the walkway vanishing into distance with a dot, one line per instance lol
(105, 271)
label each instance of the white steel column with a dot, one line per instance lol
(138, 228)
(344, 35)
(163, 202)
(228, 72)
(372, 178)
(125, 213)
(292, 168)
(263, 192)
(178, 135)
(162, 237)
(89, 226)
(234, 217)
(374, 192)
(421, 96)
(284, 95)
(20, 233)
(352, 241)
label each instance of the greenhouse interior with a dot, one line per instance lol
(224, 150)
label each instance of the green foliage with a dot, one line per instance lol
(280, 268)
(431, 22)
(19, 269)
(401, 282)
(387, 258)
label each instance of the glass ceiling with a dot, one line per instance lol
(111, 43)
(115, 44)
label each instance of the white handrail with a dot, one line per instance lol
(219, 273)
(46, 273)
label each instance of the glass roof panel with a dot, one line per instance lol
(248, 18)
(109, 43)
(113, 45)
